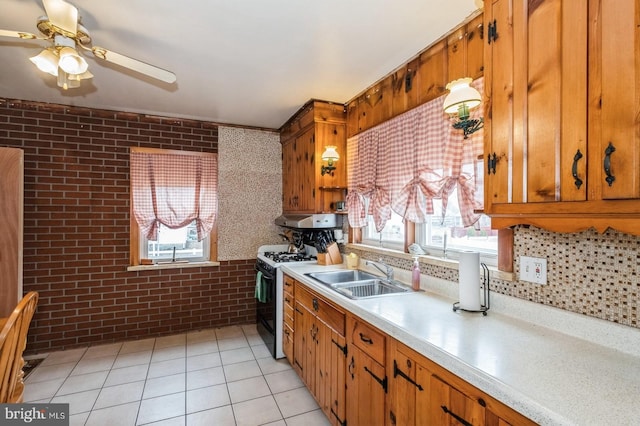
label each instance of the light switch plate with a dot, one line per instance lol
(533, 269)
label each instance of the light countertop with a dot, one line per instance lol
(553, 366)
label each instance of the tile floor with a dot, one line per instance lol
(223, 376)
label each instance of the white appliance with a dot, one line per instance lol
(269, 311)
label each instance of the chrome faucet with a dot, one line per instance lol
(388, 271)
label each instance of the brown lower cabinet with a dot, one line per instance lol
(361, 376)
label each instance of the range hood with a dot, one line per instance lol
(308, 221)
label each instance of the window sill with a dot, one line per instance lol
(176, 265)
(429, 260)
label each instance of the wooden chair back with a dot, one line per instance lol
(13, 340)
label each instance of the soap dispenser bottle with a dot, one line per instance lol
(415, 274)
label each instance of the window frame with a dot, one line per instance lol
(134, 233)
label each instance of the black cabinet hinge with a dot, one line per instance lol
(340, 421)
(343, 349)
(383, 382)
(398, 372)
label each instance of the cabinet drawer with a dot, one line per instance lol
(324, 310)
(288, 314)
(288, 285)
(287, 343)
(368, 339)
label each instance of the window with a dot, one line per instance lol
(391, 236)
(173, 206)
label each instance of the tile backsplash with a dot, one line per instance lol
(588, 273)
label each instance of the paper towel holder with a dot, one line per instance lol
(485, 292)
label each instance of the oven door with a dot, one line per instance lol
(266, 307)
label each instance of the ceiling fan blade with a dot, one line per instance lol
(62, 15)
(134, 64)
(19, 34)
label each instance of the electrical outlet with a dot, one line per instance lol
(533, 269)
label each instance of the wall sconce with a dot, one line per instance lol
(329, 155)
(460, 100)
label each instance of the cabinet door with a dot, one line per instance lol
(536, 88)
(404, 389)
(302, 338)
(11, 228)
(305, 171)
(366, 387)
(615, 92)
(289, 176)
(331, 365)
(449, 406)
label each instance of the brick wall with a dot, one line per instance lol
(76, 231)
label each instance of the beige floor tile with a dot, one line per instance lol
(174, 421)
(91, 365)
(246, 389)
(200, 362)
(42, 390)
(79, 419)
(119, 376)
(260, 351)
(83, 382)
(137, 346)
(168, 341)
(283, 381)
(242, 370)
(63, 357)
(170, 352)
(232, 343)
(229, 332)
(201, 336)
(221, 416)
(121, 415)
(78, 402)
(256, 411)
(295, 401)
(312, 418)
(162, 407)
(44, 373)
(207, 398)
(236, 355)
(101, 351)
(164, 385)
(167, 368)
(120, 394)
(132, 358)
(201, 348)
(203, 378)
(270, 365)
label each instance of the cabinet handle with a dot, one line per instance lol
(455, 416)
(607, 163)
(366, 339)
(316, 306)
(286, 299)
(574, 169)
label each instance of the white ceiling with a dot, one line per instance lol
(243, 62)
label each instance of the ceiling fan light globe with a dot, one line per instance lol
(46, 61)
(71, 62)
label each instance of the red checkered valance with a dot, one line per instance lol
(174, 189)
(406, 162)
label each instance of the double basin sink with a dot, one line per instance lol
(357, 284)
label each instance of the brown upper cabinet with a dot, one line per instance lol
(562, 95)
(304, 138)
(422, 79)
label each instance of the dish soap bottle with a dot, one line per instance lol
(415, 275)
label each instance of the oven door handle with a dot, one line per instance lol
(265, 275)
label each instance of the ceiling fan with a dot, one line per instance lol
(63, 28)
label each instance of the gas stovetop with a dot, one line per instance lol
(283, 256)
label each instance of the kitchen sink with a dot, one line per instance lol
(357, 284)
(342, 276)
(368, 288)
